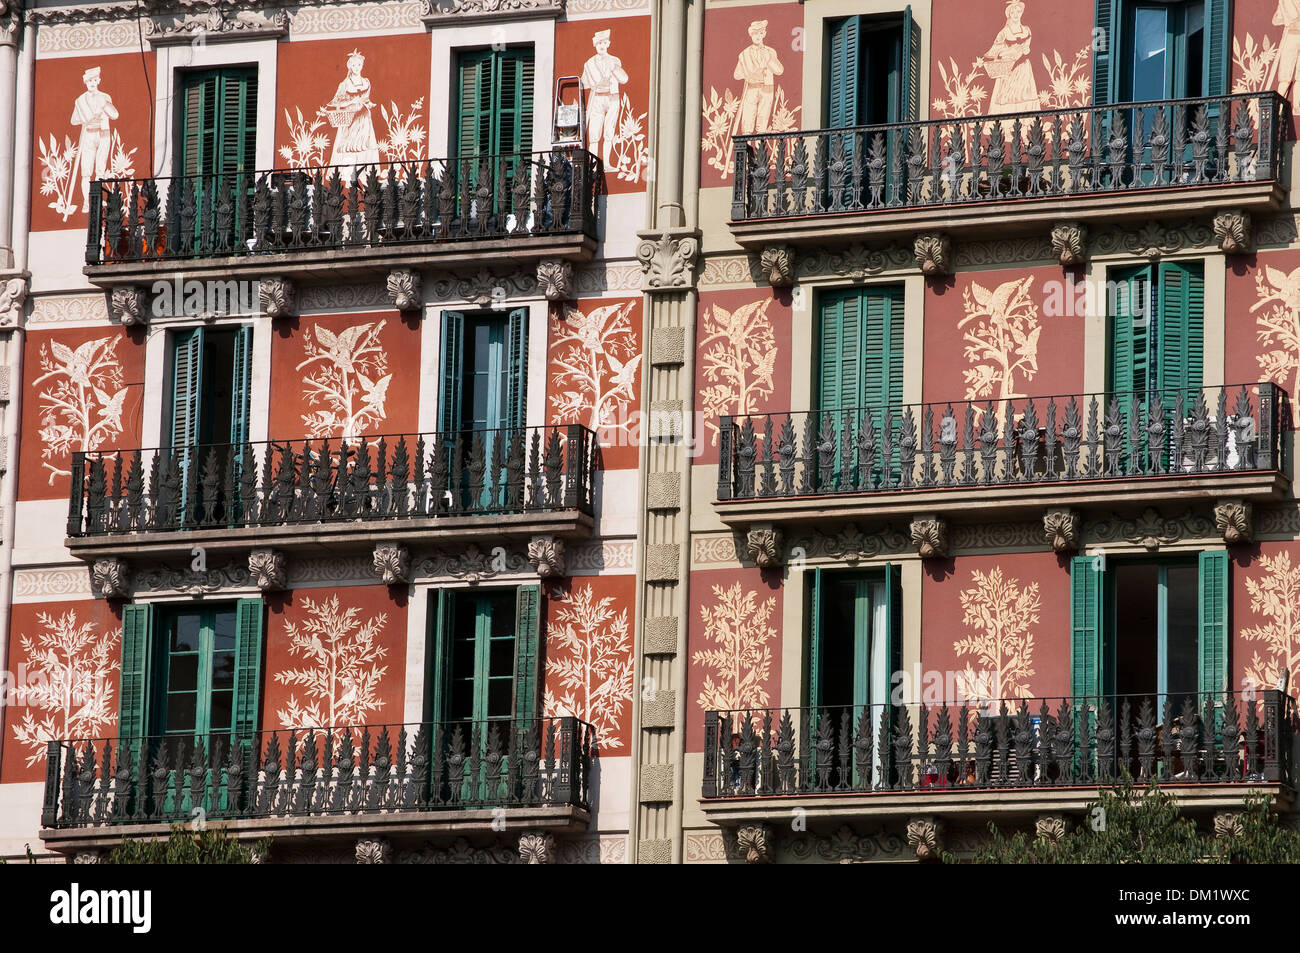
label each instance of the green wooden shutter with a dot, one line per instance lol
(1130, 324)
(911, 104)
(238, 122)
(1086, 626)
(893, 621)
(1218, 46)
(137, 641)
(528, 610)
(452, 371)
(842, 86)
(218, 122)
(1181, 327)
(841, 351)
(815, 640)
(495, 110)
(240, 386)
(474, 108)
(514, 106)
(1106, 61)
(1213, 618)
(882, 345)
(187, 386)
(437, 654)
(249, 614)
(517, 368)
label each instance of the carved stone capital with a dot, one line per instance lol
(555, 279)
(268, 569)
(765, 546)
(1227, 824)
(1070, 243)
(546, 555)
(930, 536)
(1062, 529)
(277, 295)
(925, 836)
(778, 264)
(933, 253)
(1233, 232)
(110, 578)
(536, 847)
(756, 843)
(404, 289)
(668, 260)
(12, 298)
(374, 850)
(126, 305)
(1234, 521)
(392, 562)
(1051, 827)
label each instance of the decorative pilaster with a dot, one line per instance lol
(555, 279)
(546, 554)
(765, 546)
(110, 578)
(126, 305)
(1234, 521)
(1070, 243)
(756, 843)
(404, 289)
(778, 263)
(933, 253)
(268, 569)
(374, 850)
(1062, 528)
(925, 836)
(277, 295)
(1232, 231)
(537, 847)
(668, 259)
(392, 563)
(930, 537)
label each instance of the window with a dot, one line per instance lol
(495, 111)
(484, 663)
(211, 376)
(855, 639)
(190, 671)
(873, 73)
(1157, 331)
(1150, 627)
(484, 370)
(217, 122)
(1158, 51)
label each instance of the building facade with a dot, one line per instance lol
(432, 436)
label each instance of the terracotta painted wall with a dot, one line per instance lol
(992, 335)
(589, 632)
(1265, 613)
(1007, 614)
(728, 110)
(83, 389)
(1262, 320)
(734, 645)
(65, 659)
(123, 153)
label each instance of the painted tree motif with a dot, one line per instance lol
(1002, 613)
(962, 95)
(631, 154)
(1277, 325)
(589, 651)
(405, 133)
(1275, 595)
(739, 360)
(738, 668)
(1002, 340)
(1069, 85)
(722, 118)
(1253, 63)
(307, 144)
(348, 379)
(82, 400)
(342, 678)
(67, 691)
(594, 366)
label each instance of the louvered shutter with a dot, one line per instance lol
(137, 642)
(1105, 61)
(1218, 46)
(516, 368)
(249, 616)
(911, 104)
(1213, 621)
(815, 640)
(842, 74)
(528, 608)
(1086, 627)
(451, 372)
(1130, 323)
(240, 387)
(1181, 327)
(187, 386)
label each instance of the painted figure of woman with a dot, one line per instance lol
(1007, 64)
(349, 114)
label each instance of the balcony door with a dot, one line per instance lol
(873, 72)
(216, 152)
(1159, 51)
(494, 126)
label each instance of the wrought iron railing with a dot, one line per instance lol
(461, 473)
(1228, 429)
(1234, 737)
(418, 201)
(311, 772)
(1046, 154)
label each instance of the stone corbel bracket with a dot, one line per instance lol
(1070, 243)
(278, 296)
(405, 287)
(925, 836)
(555, 279)
(933, 253)
(765, 545)
(392, 563)
(546, 555)
(1234, 519)
(930, 537)
(756, 843)
(126, 305)
(1063, 529)
(1233, 232)
(537, 847)
(110, 578)
(778, 265)
(268, 569)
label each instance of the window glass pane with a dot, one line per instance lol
(1182, 641)
(223, 631)
(502, 657)
(219, 718)
(1150, 53)
(500, 693)
(183, 673)
(181, 713)
(462, 700)
(839, 635)
(223, 671)
(185, 633)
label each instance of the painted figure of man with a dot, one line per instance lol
(758, 66)
(1287, 62)
(602, 75)
(92, 111)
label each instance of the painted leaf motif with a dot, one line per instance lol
(62, 353)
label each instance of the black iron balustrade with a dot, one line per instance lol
(417, 201)
(461, 473)
(1048, 154)
(313, 772)
(1230, 429)
(1229, 738)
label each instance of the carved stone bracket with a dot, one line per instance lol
(87, 855)
(778, 265)
(453, 12)
(925, 836)
(374, 850)
(12, 298)
(1062, 529)
(765, 546)
(1070, 243)
(555, 279)
(1234, 519)
(536, 847)
(392, 562)
(1051, 827)
(126, 305)
(668, 260)
(930, 536)
(546, 556)
(268, 569)
(756, 843)
(1233, 232)
(1227, 824)
(110, 578)
(404, 289)
(933, 253)
(277, 295)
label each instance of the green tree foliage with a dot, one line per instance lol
(208, 846)
(1129, 825)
